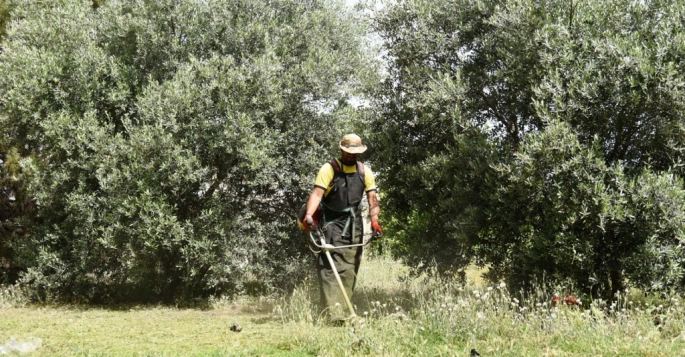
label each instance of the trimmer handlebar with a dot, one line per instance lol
(318, 240)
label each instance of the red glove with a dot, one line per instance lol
(376, 228)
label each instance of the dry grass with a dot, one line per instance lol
(402, 316)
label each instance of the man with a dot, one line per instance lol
(339, 188)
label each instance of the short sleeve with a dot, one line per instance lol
(369, 180)
(325, 176)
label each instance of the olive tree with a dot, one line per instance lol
(168, 144)
(502, 121)
(4, 18)
(561, 215)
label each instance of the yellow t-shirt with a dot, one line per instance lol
(326, 173)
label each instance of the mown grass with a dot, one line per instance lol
(400, 316)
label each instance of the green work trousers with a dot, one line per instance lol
(347, 261)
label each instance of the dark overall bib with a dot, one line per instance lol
(342, 224)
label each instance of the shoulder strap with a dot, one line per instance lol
(336, 167)
(360, 170)
(336, 172)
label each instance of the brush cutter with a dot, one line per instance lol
(322, 246)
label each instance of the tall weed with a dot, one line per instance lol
(400, 315)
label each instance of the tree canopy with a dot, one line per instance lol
(167, 144)
(526, 135)
(159, 150)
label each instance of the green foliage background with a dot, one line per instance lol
(158, 150)
(167, 145)
(540, 138)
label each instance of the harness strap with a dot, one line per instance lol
(336, 166)
(338, 170)
(350, 217)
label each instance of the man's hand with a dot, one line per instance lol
(377, 231)
(308, 221)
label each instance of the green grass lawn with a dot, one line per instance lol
(144, 331)
(401, 317)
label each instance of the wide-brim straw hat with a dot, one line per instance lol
(352, 143)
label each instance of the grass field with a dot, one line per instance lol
(400, 316)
